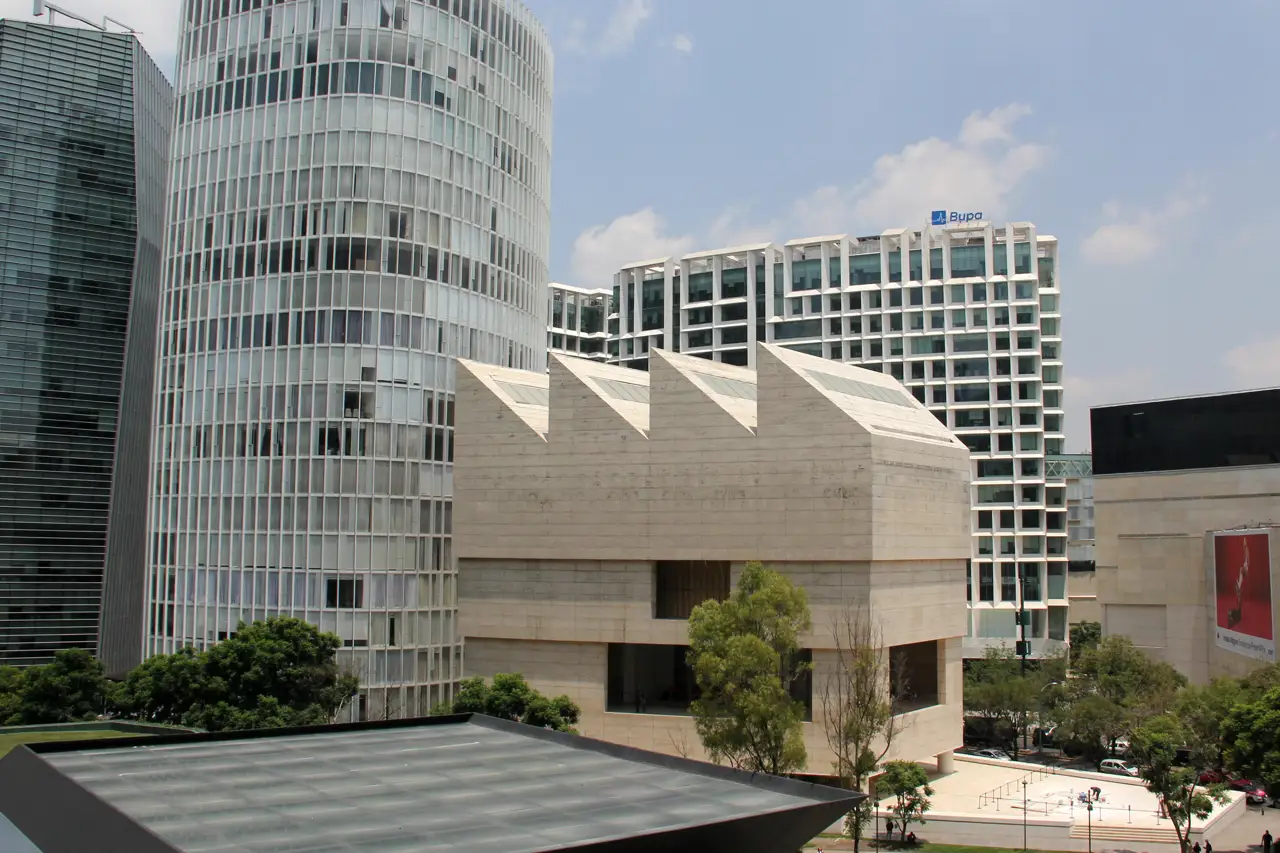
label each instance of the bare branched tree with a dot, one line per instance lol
(858, 691)
(681, 745)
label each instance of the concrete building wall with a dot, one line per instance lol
(570, 487)
(1155, 556)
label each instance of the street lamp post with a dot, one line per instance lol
(1024, 816)
(1089, 807)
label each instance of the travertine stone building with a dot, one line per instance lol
(1168, 474)
(595, 506)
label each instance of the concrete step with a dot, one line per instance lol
(1149, 834)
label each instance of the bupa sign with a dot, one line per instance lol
(943, 217)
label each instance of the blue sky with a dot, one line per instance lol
(1144, 136)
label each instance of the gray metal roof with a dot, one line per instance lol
(478, 785)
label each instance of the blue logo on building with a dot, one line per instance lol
(940, 217)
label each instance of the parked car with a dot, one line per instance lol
(1254, 794)
(1117, 767)
(1212, 777)
(993, 754)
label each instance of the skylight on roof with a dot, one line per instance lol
(627, 391)
(530, 395)
(865, 390)
(735, 388)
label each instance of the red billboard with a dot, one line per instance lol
(1244, 621)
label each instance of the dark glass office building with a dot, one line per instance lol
(1188, 433)
(84, 137)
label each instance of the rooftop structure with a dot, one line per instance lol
(966, 315)
(468, 783)
(598, 505)
(576, 321)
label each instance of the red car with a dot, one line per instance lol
(1212, 777)
(1253, 792)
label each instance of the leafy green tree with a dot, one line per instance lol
(857, 708)
(267, 714)
(163, 688)
(1121, 672)
(1251, 737)
(745, 657)
(1085, 636)
(1115, 688)
(11, 682)
(510, 697)
(908, 784)
(1254, 685)
(1092, 723)
(997, 688)
(74, 687)
(281, 671)
(1156, 744)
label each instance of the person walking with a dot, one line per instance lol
(1266, 842)
(1208, 846)
(1195, 848)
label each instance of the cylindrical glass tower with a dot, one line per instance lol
(360, 193)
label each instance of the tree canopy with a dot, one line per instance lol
(745, 657)
(997, 687)
(1157, 743)
(1251, 737)
(279, 672)
(908, 784)
(73, 688)
(510, 697)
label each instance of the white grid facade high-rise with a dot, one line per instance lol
(360, 193)
(966, 316)
(577, 321)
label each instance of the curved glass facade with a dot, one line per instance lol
(360, 193)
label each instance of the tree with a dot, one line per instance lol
(1156, 744)
(908, 784)
(510, 697)
(997, 688)
(745, 657)
(1251, 737)
(11, 686)
(857, 708)
(163, 688)
(1115, 689)
(1093, 723)
(74, 687)
(279, 672)
(1121, 672)
(1085, 636)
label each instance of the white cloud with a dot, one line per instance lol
(619, 32)
(682, 43)
(601, 251)
(1255, 364)
(157, 19)
(979, 170)
(1129, 238)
